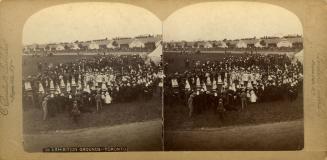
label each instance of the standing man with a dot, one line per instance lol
(220, 109)
(98, 101)
(187, 63)
(244, 99)
(45, 108)
(39, 67)
(75, 112)
(190, 104)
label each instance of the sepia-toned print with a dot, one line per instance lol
(234, 78)
(92, 78)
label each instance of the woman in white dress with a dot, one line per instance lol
(248, 95)
(52, 87)
(253, 97)
(68, 89)
(104, 87)
(187, 86)
(41, 89)
(108, 98)
(28, 86)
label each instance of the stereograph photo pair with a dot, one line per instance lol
(214, 76)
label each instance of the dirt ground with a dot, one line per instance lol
(272, 136)
(138, 136)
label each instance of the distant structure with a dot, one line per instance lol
(287, 43)
(144, 43)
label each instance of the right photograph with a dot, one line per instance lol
(233, 78)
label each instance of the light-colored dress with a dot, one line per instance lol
(104, 87)
(62, 84)
(28, 86)
(248, 95)
(187, 86)
(253, 97)
(174, 82)
(68, 87)
(51, 85)
(41, 89)
(108, 98)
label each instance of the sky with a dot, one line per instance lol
(230, 20)
(88, 21)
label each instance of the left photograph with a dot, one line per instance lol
(92, 77)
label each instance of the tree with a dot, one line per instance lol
(80, 46)
(196, 44)
(184, 45)
(214, 44)
(47, 47)
(228, 44)
(66, 47)
(114, 43)
(263, 43)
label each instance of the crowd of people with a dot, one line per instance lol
(86, 85)
(233, 82)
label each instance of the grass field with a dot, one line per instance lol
(111, 115)
(30, 63)
(176, 61)
(176, 117)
